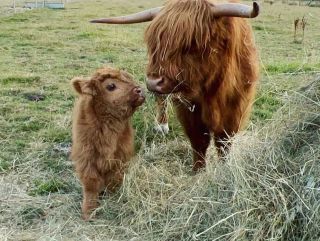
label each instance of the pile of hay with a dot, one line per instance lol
(268, 188)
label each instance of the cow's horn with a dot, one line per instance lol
(139, 17)
(235, 10)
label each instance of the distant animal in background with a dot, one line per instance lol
(296, 24)
(299, 23)
(303, 25)
(204, 51)
(102, 136)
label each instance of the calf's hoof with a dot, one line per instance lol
(88, 211)
(88, 215)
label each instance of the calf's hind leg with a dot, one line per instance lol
(197, 132)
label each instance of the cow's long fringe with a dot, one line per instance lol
(183, 26)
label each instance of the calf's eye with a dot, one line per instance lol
(111, 87)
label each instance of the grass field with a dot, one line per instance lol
(268, 189)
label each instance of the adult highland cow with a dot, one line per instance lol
(205, 53)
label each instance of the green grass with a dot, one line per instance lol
(20, 80)
(288, 68)
(45, 187)
(4, 165)
(265, 105)
(42, 50)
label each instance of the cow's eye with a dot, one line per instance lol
(111, 87)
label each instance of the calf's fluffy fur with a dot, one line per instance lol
(102, 136)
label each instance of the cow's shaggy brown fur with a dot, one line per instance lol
(212, 62)
(102, 136)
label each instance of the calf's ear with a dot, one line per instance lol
(83, 86)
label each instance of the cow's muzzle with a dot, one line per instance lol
(162, 85)
(155, 84)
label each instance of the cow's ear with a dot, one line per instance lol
(83, 86)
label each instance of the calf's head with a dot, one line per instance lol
(113, 92)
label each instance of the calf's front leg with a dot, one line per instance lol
(91, 189)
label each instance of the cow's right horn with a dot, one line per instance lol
(235, 10)
(144, 16)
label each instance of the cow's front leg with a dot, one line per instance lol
(197, 132)
(162, 115)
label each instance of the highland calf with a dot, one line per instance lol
(203, 51)
(102, 136)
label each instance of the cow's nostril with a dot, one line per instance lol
(161, 81)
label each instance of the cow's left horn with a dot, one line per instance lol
(235, 10)
(139, 17)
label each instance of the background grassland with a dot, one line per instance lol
(42, 50)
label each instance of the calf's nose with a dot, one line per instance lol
(138, 90)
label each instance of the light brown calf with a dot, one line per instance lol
(102, 136)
